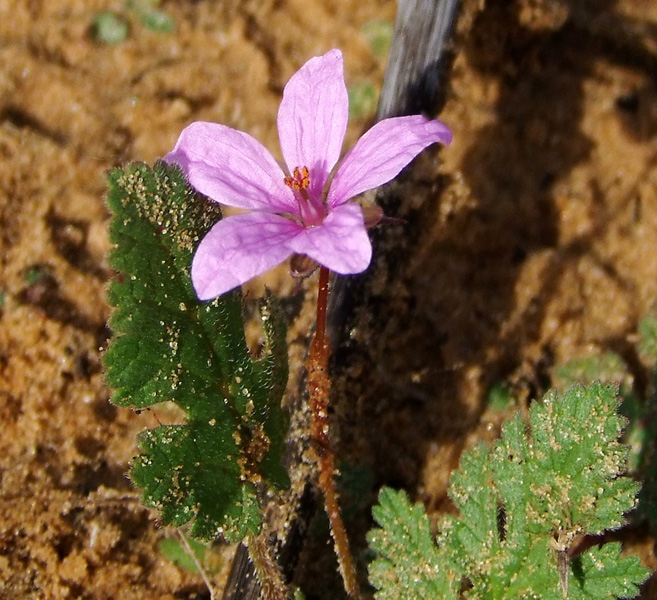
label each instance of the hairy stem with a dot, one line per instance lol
(319, 386)
(271, 581)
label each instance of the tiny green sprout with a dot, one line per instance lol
(36, 274)
(158, 21)
(109, 28)
(648, 339)
(150, 16)
(378, 34)
(3, 299)
(363, 99)
(499, 397)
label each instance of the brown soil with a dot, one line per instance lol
(538, 242)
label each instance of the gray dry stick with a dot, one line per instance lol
(414, 83)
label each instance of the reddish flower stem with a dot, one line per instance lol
(322, 304)
(319, 387)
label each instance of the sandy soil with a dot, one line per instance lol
(537, 243)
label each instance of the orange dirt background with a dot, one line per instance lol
(540, 246)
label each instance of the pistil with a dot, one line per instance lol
(311, 213)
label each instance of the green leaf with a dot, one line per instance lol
(168, 346)
(576, 461)
(607, 367)
(408, 565)
(521, 506)
(610, 368)
(604, 573)
(173, 550)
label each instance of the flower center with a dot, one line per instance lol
(299, 180)
(312, 211)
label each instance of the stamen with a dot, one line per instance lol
(299, 180)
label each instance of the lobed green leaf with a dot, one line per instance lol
(168, 346)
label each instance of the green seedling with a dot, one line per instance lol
(109, 28)
(378, 34)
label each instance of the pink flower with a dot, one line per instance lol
(303, 211)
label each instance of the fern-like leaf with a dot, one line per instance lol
(408, 565)
(521, 507)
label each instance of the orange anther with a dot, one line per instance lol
(299, 180)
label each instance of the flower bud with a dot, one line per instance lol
(372, 215)
(302, 266)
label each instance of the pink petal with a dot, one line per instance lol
(237, 249)
(340, 243)
(312, 118)
(382, 152)
(232, 168)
